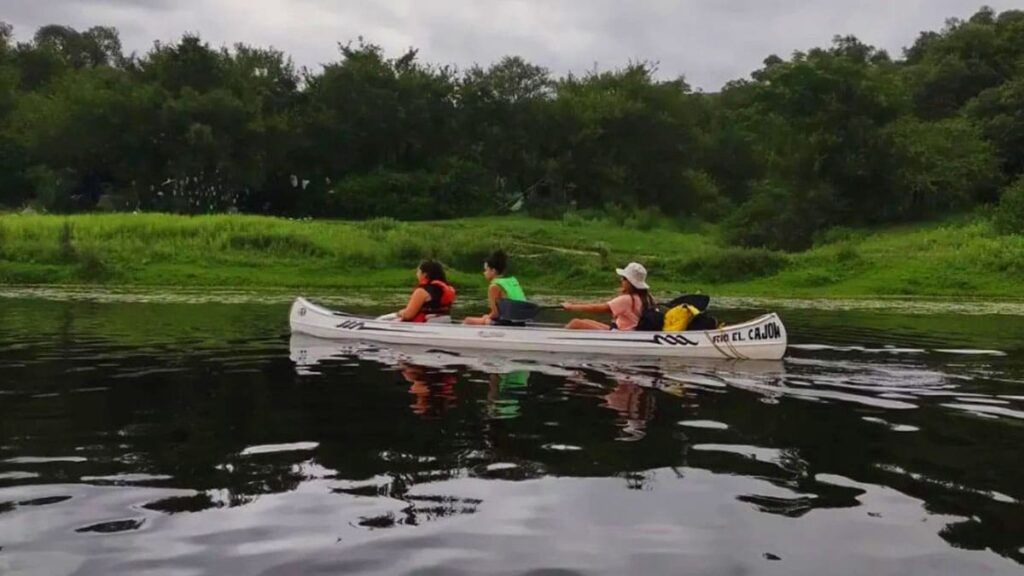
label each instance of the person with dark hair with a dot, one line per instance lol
(626, 308)
(501, 287)
(432, 298)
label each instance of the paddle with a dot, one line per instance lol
(523, 311)
(520, 310)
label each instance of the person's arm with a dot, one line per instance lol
(416, 301)
(592, 308)
(494, 293)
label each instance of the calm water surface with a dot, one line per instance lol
(202, 439)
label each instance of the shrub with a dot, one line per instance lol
(573, 219)
(90, 267)
(704, 196)
(278, 244)
(836, 235)
(643, 219)
(408, 248)
(1010, 214)
(603, 252)
(378, 227)
(733, 265)
(847, 254)
(65, 242)
(455, 189)
(470, 256)
(52, 188)
(777, 219)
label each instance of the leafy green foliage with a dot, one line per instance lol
(1010, 214)
(780, 219)
(998, 112)
(843, 135)
(938, 167)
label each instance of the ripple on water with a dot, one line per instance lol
(44, 459)
(114, 526)
(705, 424)
(44, 501)
(970, 352)
(272, 448)
(18, 475)
(499, 466)
(131, 478)
(561, 447)
(987, 410)
(890, 425)
(758, 453)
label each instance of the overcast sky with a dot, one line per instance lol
(708, 41)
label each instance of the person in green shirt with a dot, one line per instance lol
(501, 287)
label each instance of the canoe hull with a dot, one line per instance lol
(763, 338)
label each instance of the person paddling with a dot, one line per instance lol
(432, 298)
(501, 287)
(626, 308)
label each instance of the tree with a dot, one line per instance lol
(97, 46)
(93, 127)
(627, 138)
(939, 166)
(819, 120)
(190, 63)
(998, 112)
(368, 112)
(502, 119)
(949, 68)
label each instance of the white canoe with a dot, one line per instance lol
(762, 338)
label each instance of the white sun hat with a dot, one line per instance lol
(635, 274)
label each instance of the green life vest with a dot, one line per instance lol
(513, 291)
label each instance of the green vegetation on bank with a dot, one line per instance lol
(965, 257)
(841, 135)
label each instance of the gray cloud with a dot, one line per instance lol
(708, 41)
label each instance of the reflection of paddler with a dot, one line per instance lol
(434, 391)
(501, 405)
(634, 405)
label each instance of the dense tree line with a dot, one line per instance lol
(844, 135)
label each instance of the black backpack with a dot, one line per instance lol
(703, 321)
(652, 319)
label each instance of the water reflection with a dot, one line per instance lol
(634, 406)
(238, 450)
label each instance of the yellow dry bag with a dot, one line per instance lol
(678, 318)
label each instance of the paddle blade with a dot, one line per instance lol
(517, 310)
(698, 301)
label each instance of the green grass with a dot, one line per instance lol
(963, 257)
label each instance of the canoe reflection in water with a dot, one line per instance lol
(621, 384)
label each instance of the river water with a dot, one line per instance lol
(176, 438)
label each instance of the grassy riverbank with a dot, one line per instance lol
(956, 258)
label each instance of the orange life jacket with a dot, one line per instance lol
(442, 296)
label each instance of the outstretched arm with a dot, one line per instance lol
(592, 308)
(416, 301)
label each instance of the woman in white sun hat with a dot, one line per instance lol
(626, 308)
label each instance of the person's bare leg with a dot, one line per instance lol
(586, 324)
